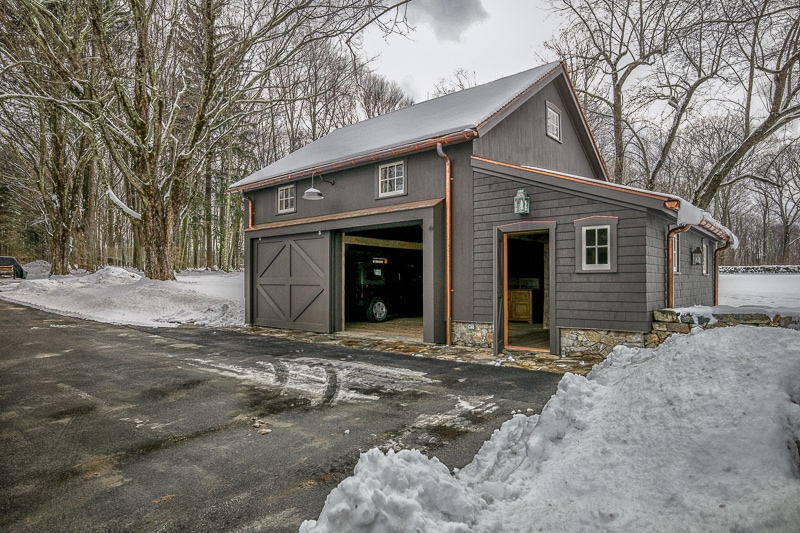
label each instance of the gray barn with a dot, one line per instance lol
(487, 213)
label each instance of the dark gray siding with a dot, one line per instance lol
(356, 188)
(521, 138)
(657, 228)
(691, 286)
(462, 250)
(616, 301)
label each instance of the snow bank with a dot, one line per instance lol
(120, 296)
(700, 434)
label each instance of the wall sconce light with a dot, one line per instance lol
(522, 204)
(697, 256)
(315, 194)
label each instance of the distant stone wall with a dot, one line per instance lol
(473, 334)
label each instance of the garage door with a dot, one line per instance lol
(291, 282)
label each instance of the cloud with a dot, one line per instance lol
(448, 19)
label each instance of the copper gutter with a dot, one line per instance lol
(586, 181)
(368, 158)
(448, 283)
(716, 270)
(670, 273)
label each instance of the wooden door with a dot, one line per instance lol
(291, 282)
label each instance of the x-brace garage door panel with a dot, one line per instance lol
(292, 282)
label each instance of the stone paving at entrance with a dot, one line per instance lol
(377, 341)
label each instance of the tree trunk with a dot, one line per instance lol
(619, 146)
(207, 223)
(158, 225)
(59, 250)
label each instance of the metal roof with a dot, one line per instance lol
(466, 110)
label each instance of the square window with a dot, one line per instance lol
(596, 248)
(553, 122)
(286, 198)
(391, 179)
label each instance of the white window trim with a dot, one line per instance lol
(556, 112)
(607, 265)
(705, 257)
(676, 255)
(400, 192)
(293, 198)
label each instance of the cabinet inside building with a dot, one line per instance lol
(520, 299)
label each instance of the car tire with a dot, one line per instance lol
(377, 310)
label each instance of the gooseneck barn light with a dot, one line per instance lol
(313, 193)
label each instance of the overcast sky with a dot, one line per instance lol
(493, 38)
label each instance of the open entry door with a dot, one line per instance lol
(499, 287)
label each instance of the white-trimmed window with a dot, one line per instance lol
(676, 256)
(596, 244)
(286, 199)
(553, 122)
(391, 179)
(596, 247)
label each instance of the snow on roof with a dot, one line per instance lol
(452, 113)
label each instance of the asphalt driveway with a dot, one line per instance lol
(116, 428)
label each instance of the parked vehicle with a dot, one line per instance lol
(10, 268)
(378, 288)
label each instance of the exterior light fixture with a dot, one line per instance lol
(313, 193)
(697, 256)
(522, 204)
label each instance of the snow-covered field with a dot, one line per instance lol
(700, 434)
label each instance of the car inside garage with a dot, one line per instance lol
(383, 281)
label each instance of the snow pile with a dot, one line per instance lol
(120, 296)
(700, 434)
(38, 269)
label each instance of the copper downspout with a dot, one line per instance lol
(670, 273)
(447, 240)
(716, 270)
(249, 211)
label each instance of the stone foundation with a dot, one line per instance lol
(585, 342)
(473, 334)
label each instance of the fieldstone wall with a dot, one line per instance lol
(666, 322)
(585, 342)
(473, 334)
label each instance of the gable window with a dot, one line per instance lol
(595, 244)
(553, 122)
(286, 197)
(391, 179)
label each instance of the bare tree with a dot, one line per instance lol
(656, 68)
(160, 103)
(461, 79)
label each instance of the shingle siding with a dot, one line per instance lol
(617, 301)
(691, 286)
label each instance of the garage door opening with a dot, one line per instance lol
(383, 282)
